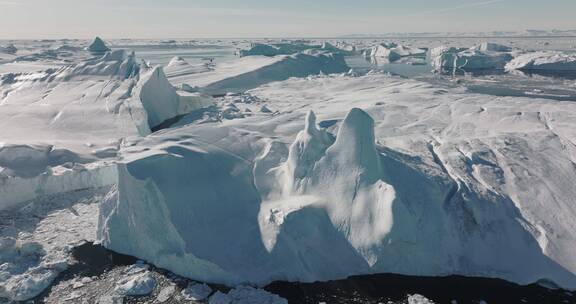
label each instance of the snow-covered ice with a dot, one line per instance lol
(315, 173)
(418, 299)
(251, 71)
(280, 198)
(470, 59)
(139, 284)
(546, 61)
(75, 115)
(36, 241)
(393, 52)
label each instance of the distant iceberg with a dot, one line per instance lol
(393, 52)
(98, 47)
(484, 56)
(9, 49)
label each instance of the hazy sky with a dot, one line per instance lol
(271, 18)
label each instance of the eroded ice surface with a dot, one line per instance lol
(414, 183)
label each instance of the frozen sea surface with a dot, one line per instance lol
(41, 237)
(552, 85)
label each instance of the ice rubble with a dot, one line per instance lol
(431, 187)
(98, 47)
(139, 284)
(543, 61)
(252, 71)
(35, 246)
(247, 295)
(418, 299)
(196, 292)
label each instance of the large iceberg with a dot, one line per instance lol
(76, 115)
(413, 183)
(543, 61)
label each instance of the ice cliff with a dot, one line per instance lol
(249, 207)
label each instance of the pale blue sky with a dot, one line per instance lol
(259, 18)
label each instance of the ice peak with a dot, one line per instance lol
(355, 143)
(310, 125)
(98, 46)
(357, 125)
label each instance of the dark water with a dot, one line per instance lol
(94, 260)
(382, 288)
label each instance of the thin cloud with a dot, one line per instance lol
(455, 8)
(10, 3)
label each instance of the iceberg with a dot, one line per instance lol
(470, 59)
(371, 194)
(9, 49)
(76, 116)
(492, 47)
(261, 49)
(543, 61)
(98, 47)
(393, 52)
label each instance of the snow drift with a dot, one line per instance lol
(429, 187)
